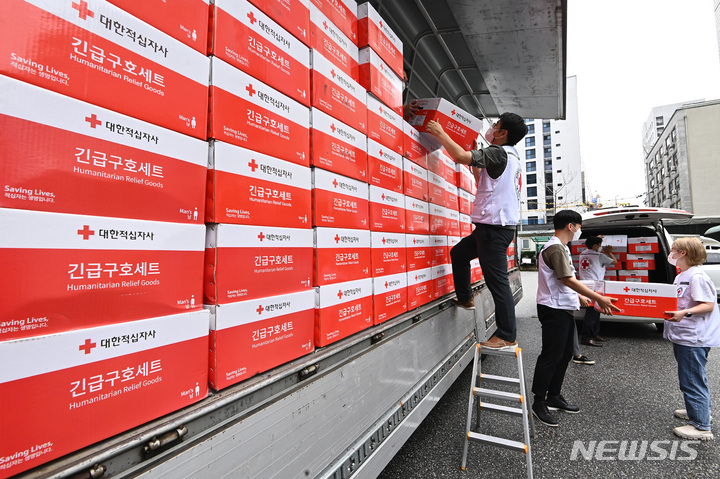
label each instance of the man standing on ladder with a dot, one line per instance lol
(496, 213)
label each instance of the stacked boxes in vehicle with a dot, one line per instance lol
(641, 245)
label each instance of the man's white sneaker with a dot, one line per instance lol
(691, 432)
(681, 414)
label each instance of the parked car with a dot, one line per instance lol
(635, 222)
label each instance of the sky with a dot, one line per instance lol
(630, 56)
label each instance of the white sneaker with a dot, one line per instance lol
(681, 414)
(691, 432)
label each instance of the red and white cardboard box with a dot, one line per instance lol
(374, 32)
(337, 147)
(248, 113)
(636, 276)
(420, 287)
(415, 180)
(438, 220)
(339, 201)
(440, 253)
(465, 202)
(452, 197)
(384, 125)
(443, 280)
(337, 93)
(341, 255)
(577, 246)
(390, 297)
(71, 271)
(616, 241)
(647, 300)
(118, 376)
(617, 266)
(460, 125)
(184, 20)
(379, 79)
(620, 253)
(417, 216)
(442, 165)
(292, 15)
(343, 14)
(436, 189)
(67, 156)
(452, 222)
(413, 145)
(100, 54)
(333, 44)
(278, 259)
(387, 210)
(418, 251)
(466, 225)
(643, 245)
(640, 261)
(465, 178)
(253, 336)
(611, 276)
(388, 253)
(385, 167)
(342, 309)
(452, 241)
(476, 273)
(250, 188)
(249, 40)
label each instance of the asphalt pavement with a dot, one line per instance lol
(624, 428)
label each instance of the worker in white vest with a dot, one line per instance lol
(559, 294)
(593, 262)
(495, 214)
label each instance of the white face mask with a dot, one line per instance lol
(672, 260)
(490, 135)
(576, 234)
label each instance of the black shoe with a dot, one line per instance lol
(591, 342)
(583, 360)
(555, 403)
(540, 411)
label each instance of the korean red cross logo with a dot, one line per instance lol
(86, 232)
(83, 10)
(87, 346)
(93, 120)
(250, 90)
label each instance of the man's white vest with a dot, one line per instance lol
(551, 291)
(497, 201)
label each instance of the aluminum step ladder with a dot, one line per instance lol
(517, 398)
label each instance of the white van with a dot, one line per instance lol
(634, 222)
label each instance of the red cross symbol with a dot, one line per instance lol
(335, 183)
(380, 110)
(337, 238)
(252, 18)
(87, 347)
(250, 90)
(261, 236)
(83, 11)
(260, 309)
(381, 25)
(332, 72)
(415, 277)
(253, 165)
(383, 196)
(386, 284)
(414, 241)
(339, 294)
(381, 154)
(325, 25)
(585, 264)
(383, 240)
(452, 113)
(86, 232)
(626, 289)
(332, 127)
(93, 120)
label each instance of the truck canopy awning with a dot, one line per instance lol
(485, 56)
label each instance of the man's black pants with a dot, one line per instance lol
(557, 348)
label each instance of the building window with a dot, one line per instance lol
(532, 179)
(547, 152)
(532, 204)
(546, 140)
(673, 135)
(529, 154)
(526, 243)
(558, 171)
(659, 121)
(548, 165)
(532, 220)
(530, 166)
(532, 191)
(531, 129)
(546, 127)
(529, 141)
(548, 177)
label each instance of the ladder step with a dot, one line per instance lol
(514, 411)
(499, 352)
(491, 393)
(498, 441)
(489, 378)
